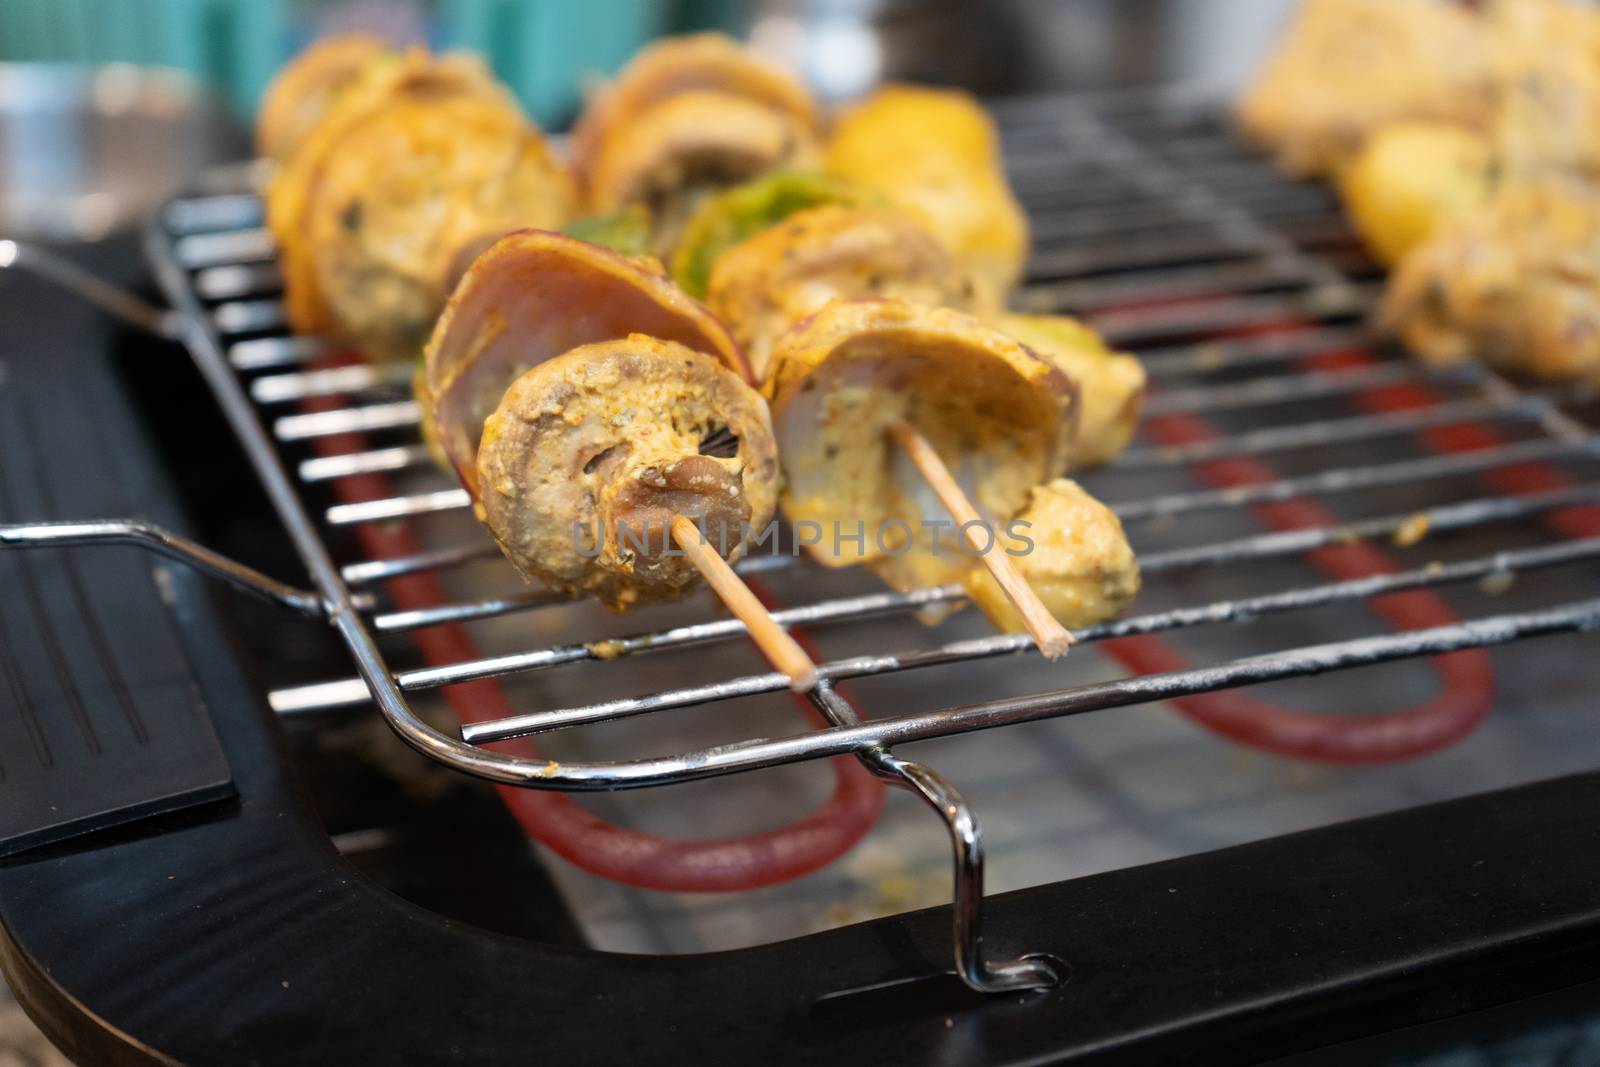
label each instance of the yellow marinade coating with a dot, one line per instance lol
(412, 194)
(293, 188)
(307, 87)
(1072, 550)
(1348, 67)
(589, 455)
(531, 296)
(1110, 384)
(710, 62)
(765, 284)
(1515, 284)
(1410, 180)
(935, 154)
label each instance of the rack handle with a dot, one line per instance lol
(1032, 972)
(162, 542)
(125, 306)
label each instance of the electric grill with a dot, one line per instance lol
(1304, 501)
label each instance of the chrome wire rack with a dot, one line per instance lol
(1247, 300)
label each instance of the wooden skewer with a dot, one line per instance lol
(781, 649)
(1047, 632)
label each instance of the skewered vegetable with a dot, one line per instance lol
(935, 154)
(615, 420)
(590, 455)
(1411, 179)
(412, 194)
(1348, 67)
(1546, 70)
(627, 231)
(783, 274)
(1110, 384)
(308, 87)
(1516, 284)
(1072, 551)
(686, 117)
(730, 217)
(293, 191)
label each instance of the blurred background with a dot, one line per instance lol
(547, 49)
(106, 106)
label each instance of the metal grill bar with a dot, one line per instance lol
(1582, 616)
(280, 388)
(1249, 608)
(1455, 517)
(1338, 480)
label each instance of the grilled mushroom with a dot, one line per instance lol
(412, 194)
(589, 456)
(1516, 284)
(687, 117)
(935, 154)
(1110, 384)
(293, 191)
(304, 90)
(1072, 551)
(771, 281)
(998, 415)
(696, 62)
(531, 296)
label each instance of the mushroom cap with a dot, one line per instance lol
(705, 61)
(690, 135)
(588, 456)
(935, 154)
(1075, 555)
(783, 274)
(1110, 384)
(294, 187)
(414, 191)
(302, 92)
(998, 415)
(531, 296)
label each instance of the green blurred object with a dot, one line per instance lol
(743, 211)
(546, 50)
(628, 231)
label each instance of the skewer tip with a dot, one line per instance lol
(1054, 646)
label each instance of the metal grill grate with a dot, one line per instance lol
(1152, 224)
(1246, 299)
